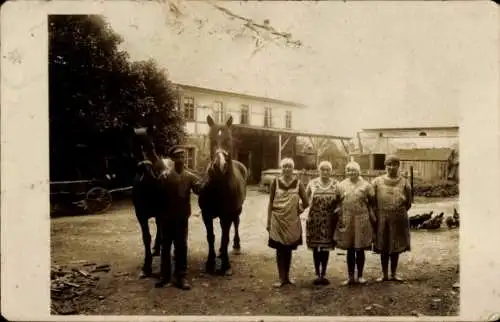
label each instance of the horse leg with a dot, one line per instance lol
(236, 239)
(147, 268)
(225, 227)
(209, 226)
(157, 244)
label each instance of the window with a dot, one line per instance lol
(244, 114)
(288, 119)
(267, 117)
(422, 134)
(378, 161)
(189, 109)
(219, 112)
(189, 156)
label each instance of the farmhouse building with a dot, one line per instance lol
(264, 129)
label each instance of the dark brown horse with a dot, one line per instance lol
(223, 194)
(148, 195)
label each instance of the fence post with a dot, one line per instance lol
(411, 182)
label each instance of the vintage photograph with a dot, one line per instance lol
(226, 158)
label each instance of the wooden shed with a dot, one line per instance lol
(428, 164)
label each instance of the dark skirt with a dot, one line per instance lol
(393, 234)
(279, 246)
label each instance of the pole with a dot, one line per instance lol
(279, 149)
(411, 182)
(359, 143)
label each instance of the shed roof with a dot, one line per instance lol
(243, 128)
(436, 154)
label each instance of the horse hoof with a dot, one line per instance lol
(145, 274)
(156, 253)
(225, 272)
(210, 269)
(236, 251)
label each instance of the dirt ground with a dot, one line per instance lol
(430, 270)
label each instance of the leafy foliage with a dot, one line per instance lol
(97, 97)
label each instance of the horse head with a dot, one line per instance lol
(146, 171)
(221, 145)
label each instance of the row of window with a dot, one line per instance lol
(190, 113)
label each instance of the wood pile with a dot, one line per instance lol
(69, 283)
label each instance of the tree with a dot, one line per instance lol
(96, 96)
(155, 104)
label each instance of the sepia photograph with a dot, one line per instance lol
(257, 158)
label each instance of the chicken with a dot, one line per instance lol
(428, 216)
(453, 221)
(433, 223)
(417, 220)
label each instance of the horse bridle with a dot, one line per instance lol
(156, 175)
(218, 151)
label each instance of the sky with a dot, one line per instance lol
(363, 64)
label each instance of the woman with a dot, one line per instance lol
(354, 231)
(320, 225)
(283, 221)
(393, 200)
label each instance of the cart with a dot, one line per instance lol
(91, 196)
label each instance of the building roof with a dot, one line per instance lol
(436, 154)
(275, 132)
(451, 127)
(254, 97)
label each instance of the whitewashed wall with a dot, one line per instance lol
(436, 138)
(411, 133)
(205, 105)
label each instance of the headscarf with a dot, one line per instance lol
(353, 165)
(286, 161)
(325, 164)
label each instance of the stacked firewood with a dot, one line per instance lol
(68, 284)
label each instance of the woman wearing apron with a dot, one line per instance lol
(354, 231)
(393, 200)
(283, 221)
(321, 220)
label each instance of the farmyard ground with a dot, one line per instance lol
(114, 238)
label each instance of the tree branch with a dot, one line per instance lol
(250, 24)
(264, 33)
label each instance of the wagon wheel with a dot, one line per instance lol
(98, 200)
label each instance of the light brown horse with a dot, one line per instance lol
(223, 194)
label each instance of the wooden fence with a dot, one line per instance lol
(427, 170)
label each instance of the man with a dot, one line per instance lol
(174, 225)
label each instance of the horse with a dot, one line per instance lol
(148, 196)
(223, 194)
